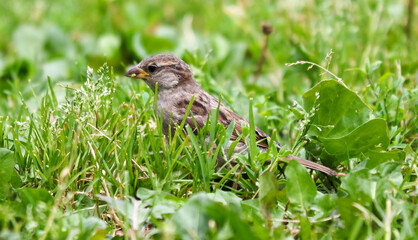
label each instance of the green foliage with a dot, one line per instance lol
(341, 122)
(6, 161)
(83, 154)
(337, 110)
(299, 186)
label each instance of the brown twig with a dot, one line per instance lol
(235, 185)
(267, 29)
(285, 215)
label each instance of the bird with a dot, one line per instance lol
(177, 87)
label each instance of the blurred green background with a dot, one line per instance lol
(221, 39)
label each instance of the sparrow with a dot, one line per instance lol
(176, 88)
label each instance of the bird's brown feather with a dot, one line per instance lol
(176, 89)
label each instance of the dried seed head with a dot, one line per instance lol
(267, 28)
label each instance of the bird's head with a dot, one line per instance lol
(167, 70)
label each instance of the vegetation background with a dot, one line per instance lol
(82, 152)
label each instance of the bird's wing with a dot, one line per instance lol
(225, 117)
(204, 103)
(202, 106)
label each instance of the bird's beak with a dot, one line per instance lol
(136, 72)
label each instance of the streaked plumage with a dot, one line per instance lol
(176, 87)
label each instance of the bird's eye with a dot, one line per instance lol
(152, 68)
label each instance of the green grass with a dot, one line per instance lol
(82, 150)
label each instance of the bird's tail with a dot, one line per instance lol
(313, 165)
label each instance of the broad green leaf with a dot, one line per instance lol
(193, 218)
(84, 227)
(203, 218)
(300, 187)
(33, 196)
(136, 211)
(372, 135)
(160, 203)
(144, 193)
(340, 123)
(366, 186)
(349, 215)
(268, 192)
(391, 172)
(251, 209)
(92, 228)
(358, 186)
(227, 198)
(339, 110)
(377, 157)
(389, 179)
(163, 208)
(305, 228)
(6, 162)
(325, 204)
(6, 170)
